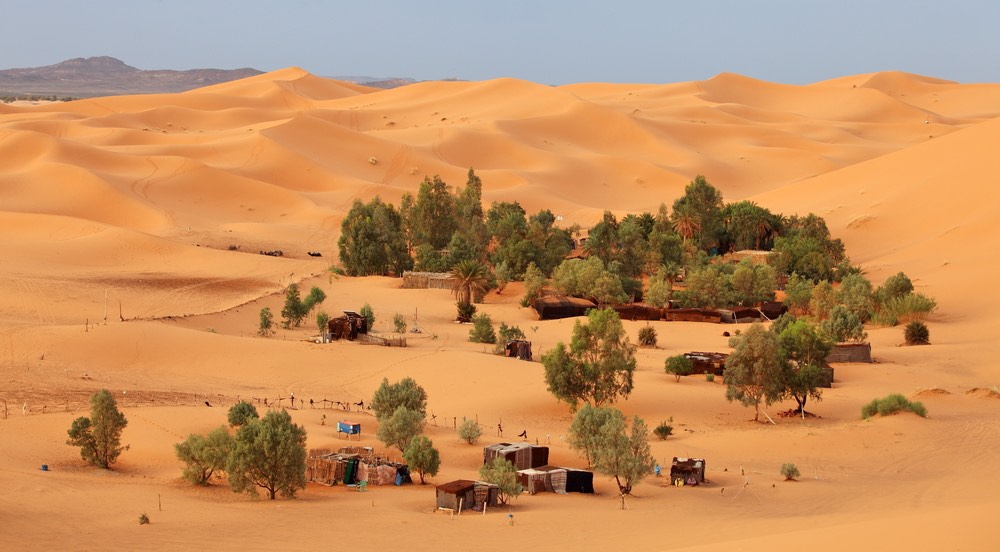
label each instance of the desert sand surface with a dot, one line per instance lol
(118, 215)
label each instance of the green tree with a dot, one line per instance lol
(502, 473)
(482, 329)
(534, 281)
(242, 413)
(203, 455)
(615, 449)
(322, 321)
(603, 240)
(805, 348)
(585, 430)
(266, 327)
(753, 283)
(702, 205)
(471, 279)
(678, 366)
(315, 297)
(844, 326)
(798, 293)
(823, 299)
(369, 315)
(660, 289)
(855, 293)
(755, 371)
(269, 453)
(390, 396)
(469, 431)
(707, 287)
(598, 366)
(421, 455)
(398, 429)
(372, 240)
(431, 218)
(748, 225)
(895, 286)
(294, 310)
(99, 436)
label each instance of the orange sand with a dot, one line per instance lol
(116, 215)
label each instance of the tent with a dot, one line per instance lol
(522, 455)
(687, 471)
(551, 307)
(463, 494)
(579, 481)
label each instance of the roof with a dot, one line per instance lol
(457, 486)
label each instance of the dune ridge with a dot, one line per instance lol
(132, 231)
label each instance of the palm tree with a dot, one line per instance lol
(471, 278)
(686, 222)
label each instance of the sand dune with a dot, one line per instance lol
(131, 231)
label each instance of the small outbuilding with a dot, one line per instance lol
(523, 455)
(551, 307)
(348, 326)
(687, 471)
(349, 428)
(463, 494)
(518, 348)
(579, 481)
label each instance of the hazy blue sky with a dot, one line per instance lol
(554, 42)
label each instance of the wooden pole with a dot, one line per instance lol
(105, 305)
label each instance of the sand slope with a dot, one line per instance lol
(131, 228)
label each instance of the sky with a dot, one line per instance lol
(548, 42)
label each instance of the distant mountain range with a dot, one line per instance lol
(108, 76)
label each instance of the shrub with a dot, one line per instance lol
(465, 312)
(647, 336)
(709, 377)
(664, 430)
(143, 519)
(399, 323)
(204, 455)
(469, 431)
(790, 472)
(890, 404)
(369, 314)
(482, 329)
(504, 334)
(679, 365)
(502, 473)
(322, 322)
(421, 456)
(266, 327)
(916, 333)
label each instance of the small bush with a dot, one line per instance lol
(465, 311)
(241, 413)
(890, 404)
(143, 519)
(647, 336)
(709, 377)
(916, 333)
(678, 366)
(322, 321)
(482, 329)
(469, 431)
(790, 472)
(504, 334)
(664, 430)
(266, 327)
(369, 314)
(399, 323)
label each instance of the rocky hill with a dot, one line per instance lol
(108, 76)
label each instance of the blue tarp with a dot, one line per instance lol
(349, 428)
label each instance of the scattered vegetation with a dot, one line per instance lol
(268, 453)
(469, 431)
(504, 334)
(241, 413)
(266, 328)
(204, 455)
(296, 309)
(611, 445)
(598, 365)
(99, 436)
(143, 519)
(399, 323)
(916, 333)
(502, 473)
(678, 366)
(406, 392)
(754, 371)
(399, 428)
(890, 404)
(369, 315)
(482, 329)
(665, 429)
(420, 455)
(322, 322)
(790, 472)
(647, 336)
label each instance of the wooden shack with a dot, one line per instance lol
(687, 471)
(523, 455)
(463, 494)
(851, 352)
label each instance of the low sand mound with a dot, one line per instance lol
(931, 392)
(983, 393)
